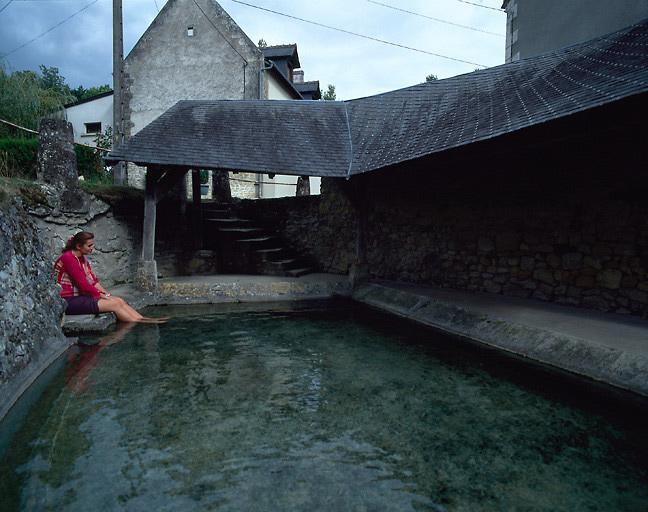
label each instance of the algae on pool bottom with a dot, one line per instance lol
(312, 408)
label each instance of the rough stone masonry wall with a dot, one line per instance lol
(593, 255)
(30, 309)
(322, 226)
(116, 222)
(580, 240)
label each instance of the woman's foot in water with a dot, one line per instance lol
(152, 321)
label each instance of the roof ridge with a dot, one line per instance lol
(398, 126)
(287, 45)
(346, 115)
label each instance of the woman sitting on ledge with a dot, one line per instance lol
(81, 288)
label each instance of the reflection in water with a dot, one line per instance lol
(83, 359)
(309, 411)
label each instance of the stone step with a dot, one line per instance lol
(218, 211)
(270, 250)
(283, 262)
(227, 220)
(257, 240)
(298, 272)
(240, 230)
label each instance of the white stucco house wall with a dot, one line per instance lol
(90, 117)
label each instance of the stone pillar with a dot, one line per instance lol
(303, 186)
(146, 278)
(197, 208)
(221, 190)
(57, 163)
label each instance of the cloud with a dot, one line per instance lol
(82, 47)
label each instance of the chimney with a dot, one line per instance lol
(298, 76)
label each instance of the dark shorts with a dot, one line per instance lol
(82, 305)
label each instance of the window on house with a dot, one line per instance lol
(190, 31)
(93, 128)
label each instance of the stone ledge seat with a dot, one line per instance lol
(75, 325)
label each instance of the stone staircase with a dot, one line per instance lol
(246, 247)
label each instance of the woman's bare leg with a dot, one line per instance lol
(134, 312)
(123, 313)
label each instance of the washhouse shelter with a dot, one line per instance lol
(590, 91)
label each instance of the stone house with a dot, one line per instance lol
(524, 179)
(534, 27)
(194, 50)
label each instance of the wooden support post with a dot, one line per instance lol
(150, 213)
(147, 269)
(197, 208)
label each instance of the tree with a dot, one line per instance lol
(329, 95)
(51, 80)
(262, 44)
(431, 78)
(20, 98)
(81, 93)
(27, 96)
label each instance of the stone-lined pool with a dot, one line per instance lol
(314, 406)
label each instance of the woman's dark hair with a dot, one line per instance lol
(79, 239)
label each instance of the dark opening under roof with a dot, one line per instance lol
(341, 139)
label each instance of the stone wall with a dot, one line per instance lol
(30, 309)
(116, 220)
(117, 236)
(243, 185)
(592, 253)
(322, 226)
(551, 229)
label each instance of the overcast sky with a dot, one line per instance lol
(81, 47)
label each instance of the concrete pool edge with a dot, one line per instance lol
(12, 390)
(248, 288)
(215, 289)
(611, 365)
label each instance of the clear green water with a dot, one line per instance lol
(317, 409)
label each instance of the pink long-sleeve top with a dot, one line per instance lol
(75, 276)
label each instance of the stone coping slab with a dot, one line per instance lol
(214, 289)
(249, 288)
(75, 325)
(601, 347)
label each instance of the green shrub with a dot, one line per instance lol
(90, 165)
(18, 157)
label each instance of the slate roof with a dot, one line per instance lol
(282, 51)
(310, 90)
(341, 139)
(243, 135)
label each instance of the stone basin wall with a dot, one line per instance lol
(589, 255)
(562, 232)
(30, 306)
